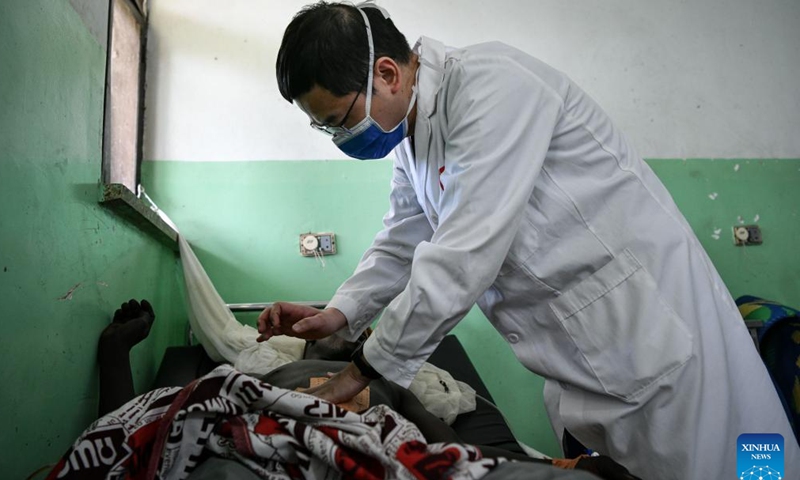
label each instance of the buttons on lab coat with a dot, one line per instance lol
(512, 338)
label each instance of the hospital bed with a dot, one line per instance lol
(484, 426)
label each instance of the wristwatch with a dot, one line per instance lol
(362, 365)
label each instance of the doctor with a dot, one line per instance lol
(512, 189)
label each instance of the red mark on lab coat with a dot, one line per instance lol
(441, 171)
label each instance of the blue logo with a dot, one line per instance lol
(760, 456)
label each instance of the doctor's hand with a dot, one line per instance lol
(341, 387)
(299, 321)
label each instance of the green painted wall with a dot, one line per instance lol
(244, 218)
(761, 191)
(55, 238)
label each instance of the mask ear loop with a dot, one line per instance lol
(368, 106)
(373, 4)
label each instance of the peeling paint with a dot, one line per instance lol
(756, 218)
(736, 168)
(102, 284)
(716, 234)
(740, 219)
(713, 196)
(68, 295)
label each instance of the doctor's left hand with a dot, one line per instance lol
(299, 321)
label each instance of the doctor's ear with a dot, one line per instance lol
(387, 72)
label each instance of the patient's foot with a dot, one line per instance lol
(131, 325)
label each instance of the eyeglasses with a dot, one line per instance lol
(333, 130)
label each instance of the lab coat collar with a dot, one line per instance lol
(430, 74)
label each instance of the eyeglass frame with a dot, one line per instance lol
(334, 130)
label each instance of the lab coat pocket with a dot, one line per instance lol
(627, 333)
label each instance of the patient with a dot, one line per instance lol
(132, 322)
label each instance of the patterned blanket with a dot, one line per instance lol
(277, 433)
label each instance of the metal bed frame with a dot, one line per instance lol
(257, 307)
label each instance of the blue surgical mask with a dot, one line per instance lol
(367, 140)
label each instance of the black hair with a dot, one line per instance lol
(326, 44)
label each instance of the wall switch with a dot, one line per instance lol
(314, 244)
(744, 235)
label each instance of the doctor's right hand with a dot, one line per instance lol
(299, 321)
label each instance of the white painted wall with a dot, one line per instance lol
(690, 78)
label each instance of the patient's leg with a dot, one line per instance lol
(131, 325)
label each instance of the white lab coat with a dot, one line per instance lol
(519, 194)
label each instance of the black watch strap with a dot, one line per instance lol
(361, 364)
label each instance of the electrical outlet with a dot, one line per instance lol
(327, 243)
(744, 235)
(313, 244)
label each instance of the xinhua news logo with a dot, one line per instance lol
(760, 456)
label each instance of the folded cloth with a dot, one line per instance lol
(225, 339)
(441, 394)
(276, 433)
